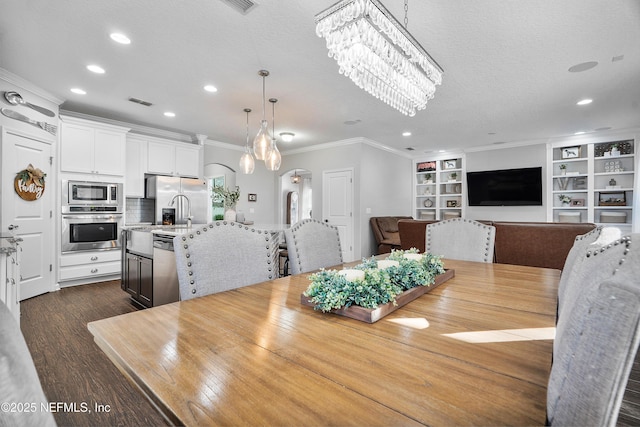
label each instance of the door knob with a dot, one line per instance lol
(12, 227)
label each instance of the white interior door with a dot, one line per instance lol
(30, 220)
(337, 206)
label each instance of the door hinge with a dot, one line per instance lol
(50, 214)
(50, 160)
(50, 267)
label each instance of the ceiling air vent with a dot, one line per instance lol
(141, 102)
(242, 6)
(409, 148)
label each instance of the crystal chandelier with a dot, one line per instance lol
(262, 141)
(273, 159)
(378, 54)
(247, 164)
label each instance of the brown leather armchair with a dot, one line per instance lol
(385, 231)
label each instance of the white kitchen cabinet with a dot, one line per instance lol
(177, 159)
(91, 147)
(136, 166)
(89, 266)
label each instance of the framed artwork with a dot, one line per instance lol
(252, 197)
(426, 166)
(580, 183)
(449, 164)
(577, 202)
(452, 204)
(571, 152)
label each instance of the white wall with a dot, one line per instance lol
(509, 158)
(382, 183)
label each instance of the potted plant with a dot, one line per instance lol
(428, 178)
(563, 169)
(453, 176)
(564, 199)
(615, 151)
(229, 198)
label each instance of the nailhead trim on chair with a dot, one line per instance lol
(218, 223)
(306, 221)
(487, 255)
(622, 241)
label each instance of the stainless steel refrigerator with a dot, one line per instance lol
(164, 189)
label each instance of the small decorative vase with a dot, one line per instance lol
(230, 214)
(563, 171)
(565, 204)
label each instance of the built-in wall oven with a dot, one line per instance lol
(92, 216)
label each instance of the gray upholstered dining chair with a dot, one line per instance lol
(463, 239)
(597, 335)
(222, 256)
(311, 245)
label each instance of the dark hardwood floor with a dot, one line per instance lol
(71, 367)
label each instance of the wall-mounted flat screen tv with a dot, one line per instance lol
(507, 187)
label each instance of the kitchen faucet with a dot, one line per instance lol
(188, 206)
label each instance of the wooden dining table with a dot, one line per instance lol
(474, 351)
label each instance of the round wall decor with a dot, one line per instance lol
(428, 203)
(29, 183)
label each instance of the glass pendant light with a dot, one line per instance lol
(247, 164)
(262, 141)
(273, 159)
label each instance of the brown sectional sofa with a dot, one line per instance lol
(536, 244)
(385, 231)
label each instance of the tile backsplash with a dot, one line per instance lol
(139, 210)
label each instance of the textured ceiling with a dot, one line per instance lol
(506, 68)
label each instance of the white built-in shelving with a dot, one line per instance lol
(439, 188)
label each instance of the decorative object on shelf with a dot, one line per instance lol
(579, 183)
(273, 159)
(428, 179)
(378, 54)
(623, 147)
(613, 166)
(252, 197)
(428, 203)
(564, 199)
(457, 189)
(563, 183)
(612, 198)
(380, 290)
(612, 182)
(563, 169)
(615, 151)
(453, 176)
(247, 164)
(29, 183)
(571, 152)
(452, 203)
(262, 141)
(577, 202)
(229, 198)
(426, 166)
(449, 164)
(613, 217)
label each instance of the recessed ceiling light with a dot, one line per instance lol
(120, 38)
(95, 69)
(78, 91)
(287, 136)
(169, 114)
(491, 133)
(406, 133)
(584, 101)
(352, 122)
(210, 88)
(583, 67)
(580, 132)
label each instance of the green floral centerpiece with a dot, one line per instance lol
(373, 283)
(228, 197)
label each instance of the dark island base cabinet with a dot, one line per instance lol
(138, 279)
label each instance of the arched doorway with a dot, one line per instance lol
(296, 196)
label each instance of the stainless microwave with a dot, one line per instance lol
(84, 196)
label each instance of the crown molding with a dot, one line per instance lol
(344, 142)
(27, 85)
(221, 144)
(135, 128)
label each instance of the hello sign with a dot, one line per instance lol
(29, 183)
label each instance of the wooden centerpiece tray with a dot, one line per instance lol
(371, 315)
